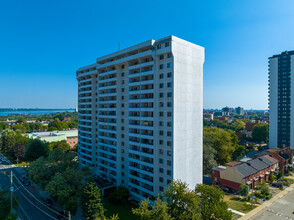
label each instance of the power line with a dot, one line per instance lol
(38, 199)
(35, 205)
(21, 208)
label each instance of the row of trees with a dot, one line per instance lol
(58, 125)
(60, 176)
(219, 147)
(204, 202)
(17, 147)
(177, 202)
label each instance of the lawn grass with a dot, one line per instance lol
(124, 211)
(22, 164)
(235, 203)
(290, 179)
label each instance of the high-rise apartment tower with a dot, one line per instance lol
(140, 115)
(281, 99)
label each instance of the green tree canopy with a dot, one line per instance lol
(63, 145)
(20, 127)
(8, 141)
(260, 132)
(212, 204)
(209, 154)
(4, 204)
(224, 142)
(35, 149)
(244, 190)
(91, 203)
(183, 202)
(147, 211)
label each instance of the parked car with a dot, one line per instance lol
(27, 183)
(277, 185)
(23, 179)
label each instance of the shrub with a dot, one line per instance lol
(120, 195)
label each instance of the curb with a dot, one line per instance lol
(267, 203)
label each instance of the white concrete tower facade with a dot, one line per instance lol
(281, 97)
(140, 115)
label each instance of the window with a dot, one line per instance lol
(161, 123)
(122, 105)
(161, 114)
(168, 181)
(161, 132)
(122, 143)
(168, 172)
(168, 153)
(169, 84)
(122, 97)
(161, 160)
(161, 95)
(122, 113)
(160, 151)
(161, 57)
(122, 128)
(161, 142)
(161, 188)
(161, 66)
(169, 104)
(169, 124)
(161, 179)
(122, 66)
(161, 76)
(158, 46)
(122, 135)
(122, 89)
(122, 82)
(167, 44)
(169, 94)
(168, 162)
(169, 65)
(161, 170)
(169, 133)
(161, 85)
(168, 143)
(160, 104)
(169, 55)
(169, 114)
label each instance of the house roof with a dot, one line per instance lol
(245, 169)
(219, 168)
(268, 160)
(257, 164)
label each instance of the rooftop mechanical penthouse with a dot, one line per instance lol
(140, 115)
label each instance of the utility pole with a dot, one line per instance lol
(69, 216)
(11, 189)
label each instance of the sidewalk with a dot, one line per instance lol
(267, 203)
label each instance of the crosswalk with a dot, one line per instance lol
(3, 167)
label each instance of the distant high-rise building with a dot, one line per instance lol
(140, 115)
(226, 111)
(281, 99)
(239, 110)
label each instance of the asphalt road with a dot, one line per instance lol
(31, 204)
(283, 208)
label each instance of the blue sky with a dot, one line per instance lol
(42, 43)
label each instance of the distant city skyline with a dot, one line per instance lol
(43, 44)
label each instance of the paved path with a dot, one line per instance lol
(279, 207)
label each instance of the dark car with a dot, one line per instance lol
(278, 185)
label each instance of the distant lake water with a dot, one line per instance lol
(5, 112)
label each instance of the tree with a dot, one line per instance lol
(260, 132)
(91, 203)
(21, 120)
(208, 158)
(19, 150)
(238, 124)
(3, 126)
(55, 125)
(238, 152)
(8, 141)
(183, 202)
(244, 190)
(212, 204)
(272, 178)
(224, 142)
(40, 172)
(4, 204)
(35, 149)
(120, 195)
(159, 210)
(63, 145)
(20, 127)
